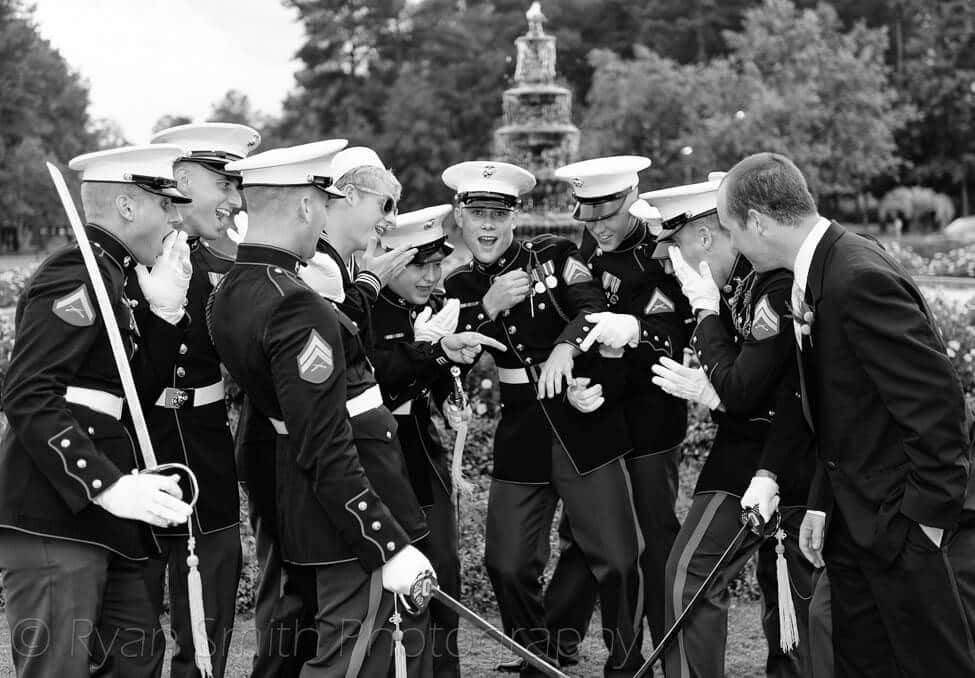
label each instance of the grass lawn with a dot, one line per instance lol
(745, 655)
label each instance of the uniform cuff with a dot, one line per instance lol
(371, 281)
(380, 536)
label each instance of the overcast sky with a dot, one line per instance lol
(147, 58)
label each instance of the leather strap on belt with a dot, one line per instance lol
(174, 398)
(369, 399)
(100, 401)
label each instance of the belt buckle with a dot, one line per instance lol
(175, 398)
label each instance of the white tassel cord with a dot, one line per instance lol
(399, 650)
(788, 626)
(194, 586)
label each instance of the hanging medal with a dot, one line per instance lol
(548, 267)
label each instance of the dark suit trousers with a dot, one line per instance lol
(902, 619)
(571, 595)
(961, 554)
(77, 610)
(220, 563)
(604, 525)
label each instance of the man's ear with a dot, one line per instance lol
(304, 209)
(458, 210)
(756, 220)
(126, 207)
(183, 179)
(707, 239)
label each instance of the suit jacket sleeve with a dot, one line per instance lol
(885, 322)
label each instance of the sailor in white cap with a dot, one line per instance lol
(748, 379)
(337, 492)
(73, 519)
(416, 345)
(189, 420)
(649, 318)
(534, 295)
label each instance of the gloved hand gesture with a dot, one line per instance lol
(165, 286)
(698, 286)
(762, 492)
(584, 397)
(688, 383)
(386, 265)
(432, 327)
(615, 330)
(403, 569)
(323, 275)
(148, 497)
(464, 347)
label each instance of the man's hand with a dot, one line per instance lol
(584, 397)
(323, 275)
(688, 383)
(386, 265)
(165, 286)
(557, 368)
(762, 492)
(403, 569)
(507, 291)
(456, 416)
(464, 347)
(699, 287)
(148, 497)
(811, 534)
(615, 330)
(433, 327)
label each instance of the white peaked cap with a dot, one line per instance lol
(150, 167)
(306, 164)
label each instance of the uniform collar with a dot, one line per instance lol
(394, 299)
(108, 244)
(211, 259)
(741, 269)
(269, 255)
(634, 238)
(503, 262)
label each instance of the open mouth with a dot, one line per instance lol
(487, 240)
(225, 218)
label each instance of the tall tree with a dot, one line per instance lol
(170, 120)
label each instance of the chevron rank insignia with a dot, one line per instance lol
(75, 308)
(575, 272)
(659, 303)
(765, 321)
(315, 360)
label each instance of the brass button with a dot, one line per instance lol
(390, 546)
(506, 313)
(96, 483)
(389, 435)
(585, 328)
(91, 430)
(541, 306)
(528, 360)
(467, 327)
(180, 372)
(65, 443)
(183, 349)
(277, 270)
(81, 463)
(376, 526)
(512, 329)
(363, 506)
(520, 347)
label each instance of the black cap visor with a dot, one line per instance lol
(489, 200)
(603, 207)
(432, 251)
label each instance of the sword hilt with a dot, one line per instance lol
(458, 395)
(420, 593)
(752, 517)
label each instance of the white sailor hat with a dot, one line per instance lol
(422, 229)
(212, 144)
(350, 158)
(600, 185)
(303, 165)
(148, 167)
(680, 205)
(486, 183)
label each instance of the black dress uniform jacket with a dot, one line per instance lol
(562, 293)
(283, 343)
(58, 455)
(198, 436)
(748, 353)
(637, 285)
(415, 372)
(885, 402)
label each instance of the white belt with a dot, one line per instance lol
(100, 401)
(515, 375)
(174, 398)
(404, 409)
(369, 399)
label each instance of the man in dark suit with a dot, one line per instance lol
(888, 413)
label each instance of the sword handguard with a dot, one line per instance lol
(421, 592)
(752, 517)
(458, 395)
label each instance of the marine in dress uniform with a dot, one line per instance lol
(71, 542)
(414, 376)
(888, 412)
(534, 296)
(748, 379)
(188, 421)
(618, 248)
(341, 502)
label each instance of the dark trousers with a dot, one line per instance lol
(355, 634)
(284, 615)
(698, 649)
(961, 554)
(441, 548)
(77, 610)
(571, 595)
(219, 567)
(604, 525)
(904, 618)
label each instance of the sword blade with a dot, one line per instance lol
(495, 634)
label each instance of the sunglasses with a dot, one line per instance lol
(388, 205)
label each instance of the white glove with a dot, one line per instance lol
(165, 286)
(433, 327)
(456, 416)
(148, 497)
(403, 569)
(685, 382)
(239, 231)
(323, 275)
(584, 397)
(464, 347)
(615, 330)
(762, 492)
(699, 287)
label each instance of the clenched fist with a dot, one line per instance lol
(507, 291)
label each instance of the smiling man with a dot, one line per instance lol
(189, 420)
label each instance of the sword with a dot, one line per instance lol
(425, 588)
(459, 398)
(752, 521)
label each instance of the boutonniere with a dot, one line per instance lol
(804, 317)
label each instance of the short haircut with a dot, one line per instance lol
(373, 178)
(98, 198)
(770, 184)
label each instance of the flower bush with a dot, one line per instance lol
(12, 282)
(959, 262)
